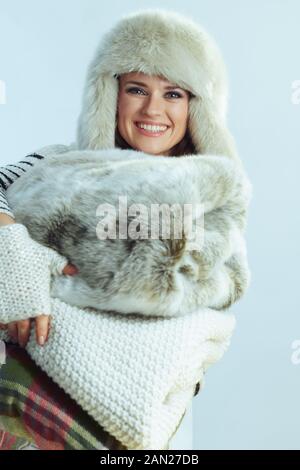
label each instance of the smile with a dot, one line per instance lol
(150, 131)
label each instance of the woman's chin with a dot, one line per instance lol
(151, 149)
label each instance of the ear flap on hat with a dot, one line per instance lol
(208, 131)
(96, 125)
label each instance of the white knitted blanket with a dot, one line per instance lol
(134, 375)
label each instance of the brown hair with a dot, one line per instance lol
(184, 147)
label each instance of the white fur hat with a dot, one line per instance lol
(165, 43)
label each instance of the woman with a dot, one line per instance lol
(158, 49)
(157, 84)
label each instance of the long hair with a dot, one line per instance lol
(184, 147)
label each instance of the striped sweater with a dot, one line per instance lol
(9, 173)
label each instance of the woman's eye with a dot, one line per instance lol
(134, 90)
(178, 95)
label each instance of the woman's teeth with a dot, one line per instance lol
(149, 128)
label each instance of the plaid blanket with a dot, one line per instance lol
(33, 409)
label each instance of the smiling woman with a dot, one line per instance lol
(152, 115)
(157, 84)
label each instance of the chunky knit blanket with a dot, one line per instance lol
(136, 374)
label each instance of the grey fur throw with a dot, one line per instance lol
(79, 203)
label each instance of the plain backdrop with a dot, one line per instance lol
(251, 399)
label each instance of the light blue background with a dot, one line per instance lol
(252, 397)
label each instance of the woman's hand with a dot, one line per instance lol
(19, 331)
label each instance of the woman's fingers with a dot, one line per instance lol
(70, 269)
(23, 327)
(20, 331)
(42, 323)
(13, 330)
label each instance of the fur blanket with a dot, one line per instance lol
(97, 208)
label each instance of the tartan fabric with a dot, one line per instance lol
(35, 409)
(10, 442)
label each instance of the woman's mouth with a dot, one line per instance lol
(150, 131)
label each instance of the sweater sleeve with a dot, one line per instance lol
(11, 172)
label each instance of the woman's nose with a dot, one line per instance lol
(153, 106)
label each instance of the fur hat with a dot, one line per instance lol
(164, 43)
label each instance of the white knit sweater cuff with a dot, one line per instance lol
(25, 274)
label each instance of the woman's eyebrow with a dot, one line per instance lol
(168, 87)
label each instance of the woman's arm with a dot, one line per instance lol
(8, 174)
(11, 172)
(19, 330)
(5, 219)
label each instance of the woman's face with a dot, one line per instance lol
(147, 100)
